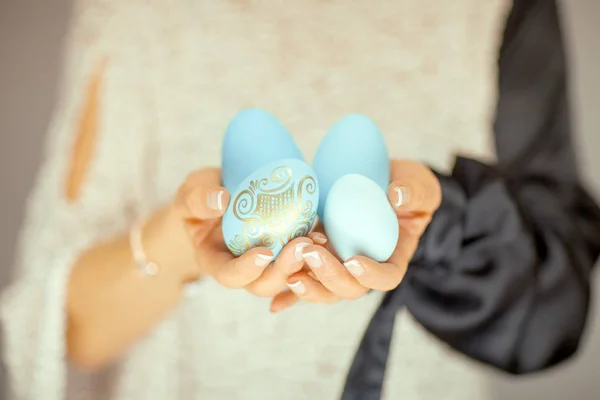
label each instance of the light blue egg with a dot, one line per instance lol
(275, 204)
(359, 219)
(354, 145)
(253, 139)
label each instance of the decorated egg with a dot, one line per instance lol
(354, 145)
(275, 204)
(253, 139)
(359, 219)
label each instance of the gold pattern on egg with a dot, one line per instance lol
(273, 211)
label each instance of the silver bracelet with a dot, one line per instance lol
(145, 267)
(148, 268)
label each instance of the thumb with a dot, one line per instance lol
(415, 189)
(201, 197)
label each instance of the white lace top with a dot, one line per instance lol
(177, 72)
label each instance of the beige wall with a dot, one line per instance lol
(30, 34)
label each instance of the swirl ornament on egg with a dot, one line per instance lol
(271, 211)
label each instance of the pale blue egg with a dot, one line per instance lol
(275, 204)
(359, 219)
(354, 145)
(253, 139)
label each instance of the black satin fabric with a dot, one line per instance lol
(503, 272)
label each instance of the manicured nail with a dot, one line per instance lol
(320, 240)
(354, 267)
(297, 287)
(215, 200)
(262, 260)
(313, 259)
(402, 192)
(312, 275)
(299, 250)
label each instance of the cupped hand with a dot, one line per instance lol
(200, 203)
(415, 194)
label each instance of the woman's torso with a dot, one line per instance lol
(176, 74)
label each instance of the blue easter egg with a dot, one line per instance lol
(359, 219)
(253, 139)
(354, 145)
(270, 207)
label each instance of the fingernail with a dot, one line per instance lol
(354, 267)
(215, 200)
(313, 259)
(262, 260)
(312, 275)
(297, 287)
(320, 240)
(299, 250)
(402, 192)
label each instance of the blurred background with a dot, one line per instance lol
(31, 33)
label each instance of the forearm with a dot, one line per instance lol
(110, 304)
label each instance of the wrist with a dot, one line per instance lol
(166, 244)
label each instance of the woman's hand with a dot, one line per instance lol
(110, 305)
(415, 194)
(200, 204)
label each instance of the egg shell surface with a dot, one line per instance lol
(254, 138)
(354, 145)
(272, 206)
(359, 219)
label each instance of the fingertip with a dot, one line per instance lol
(299, 282)
(275, 306)
(240, 271)
(274, 309)
(355, 266)
(297, 287)
(204, 203)
(415, 188)
(301, 239)
(312, 248)
(375, 275)
(298, 276)
(409, 199)
(296, 247)
(318, 238)
(282, 302)
(363, 260)
(399, 195)
(217, 200)
(261, 257)
(299, 251)
(313, 255)
(316, 252)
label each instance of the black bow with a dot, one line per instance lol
(502, 273)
